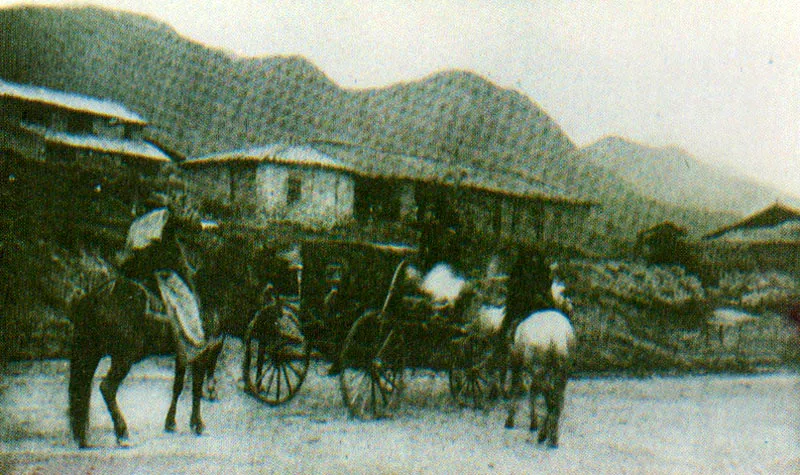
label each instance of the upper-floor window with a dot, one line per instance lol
(25, 112)
(79, 123)
(294, 188)
(131, 131)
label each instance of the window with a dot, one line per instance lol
(79, 123)
(497, 216)
(376, 199)
(294, 188)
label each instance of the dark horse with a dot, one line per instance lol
(231, 283)
(116, 320)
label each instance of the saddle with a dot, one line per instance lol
(177, 305)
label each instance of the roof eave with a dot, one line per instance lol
(107, 115)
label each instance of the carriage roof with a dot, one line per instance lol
(362, 270)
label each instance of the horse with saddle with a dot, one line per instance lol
(149, 309)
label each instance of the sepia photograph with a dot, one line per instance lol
(399, 237)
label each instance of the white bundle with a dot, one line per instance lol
(442, 284)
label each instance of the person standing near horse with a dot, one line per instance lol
(528, 288)
(440, 238)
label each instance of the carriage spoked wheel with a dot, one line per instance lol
(372, 367)
(276, 357)
(472, 382)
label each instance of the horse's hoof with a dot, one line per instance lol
(509, 424)
(212, 394)
(169, 426)
(198, 428)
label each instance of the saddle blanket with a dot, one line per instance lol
(181, 306)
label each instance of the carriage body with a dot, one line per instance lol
(341, 280)
(356, 309)
(364, 277)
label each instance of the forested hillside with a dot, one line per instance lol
(201, 100)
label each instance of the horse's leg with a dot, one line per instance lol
(516, 389)
(211, 368)
(498, 367)
(119, 369)
(533, 394)
(81, 371)
(198, 372)
(177, 388)
(554, 399)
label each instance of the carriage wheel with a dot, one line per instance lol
(276, 357)
(471, 377)
(372, 362)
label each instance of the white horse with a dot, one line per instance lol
(541, 345)
(489, 318)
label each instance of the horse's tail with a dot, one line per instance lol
(83, 363)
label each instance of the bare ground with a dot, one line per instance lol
(692, 424)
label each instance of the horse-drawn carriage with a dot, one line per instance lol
(363, 307)
(359, 306)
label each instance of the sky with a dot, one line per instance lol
(720, 79)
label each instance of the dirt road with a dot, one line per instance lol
(698, 424)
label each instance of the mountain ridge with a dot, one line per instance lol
(673, 175)
(202, 100)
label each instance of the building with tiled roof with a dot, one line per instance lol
(323, 184)
(777, 222)
(55, 126)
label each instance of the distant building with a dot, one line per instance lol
(60, 127)
(325, 184)
(767, 239)
(774, 223)
(663, 243)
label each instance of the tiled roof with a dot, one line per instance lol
(130, 148)
(366, 161)
(301, 155)
(787, 231)
(374, 162)
(68, 100)
(769, 217)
